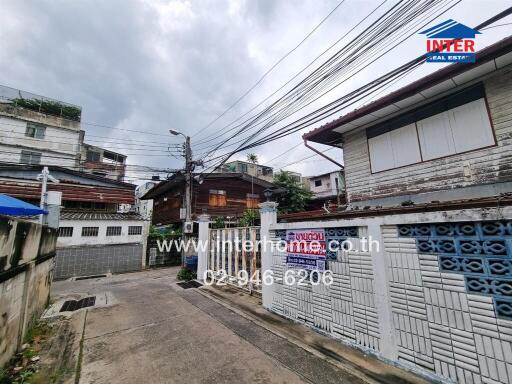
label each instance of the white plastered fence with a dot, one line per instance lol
(413, 300)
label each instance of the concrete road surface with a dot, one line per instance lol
(152, 331)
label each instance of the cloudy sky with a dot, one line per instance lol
(151, 65)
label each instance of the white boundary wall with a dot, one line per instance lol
(396, 302)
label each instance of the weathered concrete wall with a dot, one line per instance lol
(483, 166)
(436, 296)
(27, 252)
(91, 260)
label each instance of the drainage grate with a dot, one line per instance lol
(89, 277)
(190, 284)
(73, 305)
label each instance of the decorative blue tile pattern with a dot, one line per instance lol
(481, 251)
(504, 307)
(338, 235)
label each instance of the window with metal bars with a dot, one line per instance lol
(30, 157)
(134, 230)
(90, 231)
(114, 231)
(65, 231)
(36, 131)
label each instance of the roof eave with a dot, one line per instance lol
(325, 134)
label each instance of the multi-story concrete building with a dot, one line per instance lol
(97, 232)
(327, 184)
(37, 130)
(102, 162)
(328, 188)
(144, 207)
(251, 169)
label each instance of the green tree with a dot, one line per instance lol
(250, 218)
(296, 196)
(252, 158)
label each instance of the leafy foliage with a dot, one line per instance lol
(185, 274)
(219, 222)
(252, 158)
(250, 218)
(49, 107)
(169, 231)
(296, 196)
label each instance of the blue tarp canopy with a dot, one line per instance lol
(13, 207)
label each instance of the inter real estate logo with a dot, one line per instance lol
(450, 42)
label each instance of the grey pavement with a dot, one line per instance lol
(157, 332)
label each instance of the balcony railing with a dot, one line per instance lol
(41, 104)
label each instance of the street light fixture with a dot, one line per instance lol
(176, 133)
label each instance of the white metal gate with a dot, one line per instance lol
(235, 257)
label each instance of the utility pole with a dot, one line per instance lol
(188, 180)
(189, 168)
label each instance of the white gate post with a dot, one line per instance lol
(388, 344)
(203, 246)
(268, 216)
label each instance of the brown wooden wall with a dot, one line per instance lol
(167, 212)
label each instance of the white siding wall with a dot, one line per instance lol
(472, 168)
(60, 146)
(102, 238)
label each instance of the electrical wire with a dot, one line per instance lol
(418, 61)
(294, 77)
(272, 68)
(407, 6)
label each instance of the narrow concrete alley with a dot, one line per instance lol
(152, 330)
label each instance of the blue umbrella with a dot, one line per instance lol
(14, 207)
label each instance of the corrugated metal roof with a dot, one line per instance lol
(100, 216)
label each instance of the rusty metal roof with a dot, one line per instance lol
(434, 206)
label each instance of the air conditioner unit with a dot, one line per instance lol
(188, 227)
